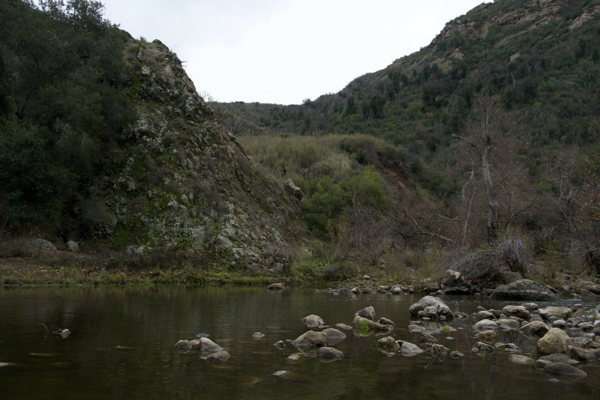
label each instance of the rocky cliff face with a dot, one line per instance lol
(181, 181)
(533, 13)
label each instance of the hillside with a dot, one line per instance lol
(106, 142)
(527, 68)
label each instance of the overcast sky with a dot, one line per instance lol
(284, 51)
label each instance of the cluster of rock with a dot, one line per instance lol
(562, 336)
(208, 348)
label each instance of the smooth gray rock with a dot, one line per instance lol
(329, 354)
(562, 368)
(525, 290)
(517, 311)
(208, 346)
(312, 321)
(310, 339)
(485, 325)
(389, 343)
(535, 328)
(333, 336)
(367, 312)
(556, 311)
(520, 359)
(454, 283)
(440, 306)
(554, 341)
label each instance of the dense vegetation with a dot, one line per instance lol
(63, 106)
(529, 69)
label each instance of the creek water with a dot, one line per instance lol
(122, 341)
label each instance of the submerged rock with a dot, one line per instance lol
(329, 354)
(280, 344)
(258, 335)
(184, 345)
(333, 336)
(520, 359)
(561, 368)
(221, 355)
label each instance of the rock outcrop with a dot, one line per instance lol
(181, 182)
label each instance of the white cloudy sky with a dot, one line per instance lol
(284, 51)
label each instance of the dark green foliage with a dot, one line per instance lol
(62, 102)
(325, 207)
(32, 181)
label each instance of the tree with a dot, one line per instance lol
(489, 124)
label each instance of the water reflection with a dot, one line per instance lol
(122, 341)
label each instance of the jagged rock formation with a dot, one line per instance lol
(181, 181)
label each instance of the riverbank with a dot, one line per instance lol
(111, 268)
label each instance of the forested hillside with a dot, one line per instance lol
(494, 125)
(105, 141)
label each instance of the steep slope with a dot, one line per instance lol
(182, 182)
(104, 140)
(539, 56)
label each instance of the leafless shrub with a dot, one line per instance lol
(513, 252)
(483, 265)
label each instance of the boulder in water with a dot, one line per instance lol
(441, 308)
(310, 339)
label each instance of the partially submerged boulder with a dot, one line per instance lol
(454, 283)
(276, 286)
(333, 336)
(535, 328)
(208, 346)
(435, 304)
(554, 341)
(367, 312)
(389, 343)
(560, 368)
(517, 311)
(525, 290)
(559, 312)
(367, 324)
(328, 354)
(312, 321)
(183, 345)
(310, 339)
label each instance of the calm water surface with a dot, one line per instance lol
(122, 347)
